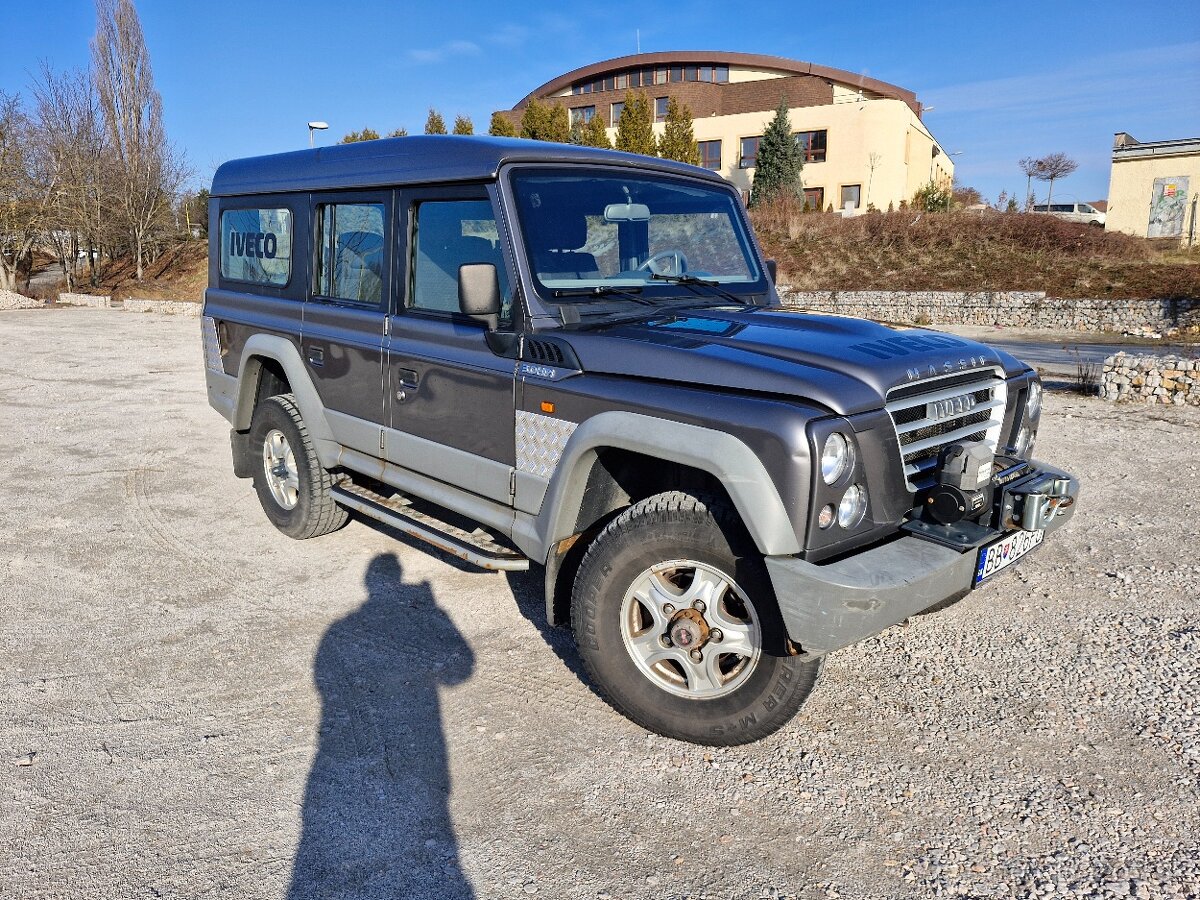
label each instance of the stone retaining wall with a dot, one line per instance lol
(1009, 309)
(85, 300)
(1151, 379)
(173, 307)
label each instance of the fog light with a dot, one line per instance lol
(853, 506)
(825, 516)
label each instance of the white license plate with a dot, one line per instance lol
(1004, 552)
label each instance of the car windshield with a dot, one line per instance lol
(622, 235)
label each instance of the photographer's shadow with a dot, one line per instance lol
(376, 818)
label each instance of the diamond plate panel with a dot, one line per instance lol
(540, 442)
(212, 345)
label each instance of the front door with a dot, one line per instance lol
(451, 397)
(346, 315)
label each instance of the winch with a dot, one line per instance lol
(964, 486)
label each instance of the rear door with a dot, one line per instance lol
(342, 341)
(452, 406)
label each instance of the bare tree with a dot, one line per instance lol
(1056, 165)
(72, 131)
(149, 169)
(1032, 169)
(29, 178)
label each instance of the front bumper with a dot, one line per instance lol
(830, 606)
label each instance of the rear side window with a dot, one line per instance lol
(350, 252)
(256, 245)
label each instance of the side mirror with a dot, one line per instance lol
(479, 293)
(773, 270)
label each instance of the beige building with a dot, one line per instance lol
(1154, 188)
(865, 143)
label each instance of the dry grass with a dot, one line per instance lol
(969, 252)
(181, 273)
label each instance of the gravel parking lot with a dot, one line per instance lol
(194, 705)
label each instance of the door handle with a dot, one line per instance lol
(316, 356)
(408, 377)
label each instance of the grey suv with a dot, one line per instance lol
(536, 354)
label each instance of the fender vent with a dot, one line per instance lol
(543, 351)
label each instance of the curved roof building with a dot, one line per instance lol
(865, 144)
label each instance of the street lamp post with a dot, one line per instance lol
(315, 126)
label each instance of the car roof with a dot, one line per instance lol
(420, 159)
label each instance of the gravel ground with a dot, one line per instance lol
(194, 705)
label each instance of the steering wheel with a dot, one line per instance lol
(678, 263)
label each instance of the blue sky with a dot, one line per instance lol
(1004, 80)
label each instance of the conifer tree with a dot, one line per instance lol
(435, 124)
(399, 132)
(367, 134)
(594, 134)
(463, 125)
(780, 160)
(546, 122)
(678, 142)
(635, 128)
(501, 126)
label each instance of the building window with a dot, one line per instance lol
(722, 74)
(660, 108)
(851, 195)
(749, 156)
(676, 73)
(582, 114)
(813, 145)
(710, 154)
(616, 112)
(622, 81)
(691, 73)
(814, 198)
(660, 76)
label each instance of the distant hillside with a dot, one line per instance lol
(966, 251)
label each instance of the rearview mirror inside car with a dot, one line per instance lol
(627, 212)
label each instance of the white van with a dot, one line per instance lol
(1073, 212)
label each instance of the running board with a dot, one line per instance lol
(477, 547)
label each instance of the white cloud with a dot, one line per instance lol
(444, 52)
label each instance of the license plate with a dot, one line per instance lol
(1004, 552)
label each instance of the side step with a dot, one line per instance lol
(477, 548)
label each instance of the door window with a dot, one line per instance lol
(350, 242)
(449, 234)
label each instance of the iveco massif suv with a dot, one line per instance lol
(533, 353)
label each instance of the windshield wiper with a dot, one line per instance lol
(603, 290)
(692, 282)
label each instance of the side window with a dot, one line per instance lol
(350, 252)
(256, 245)
(448, 234)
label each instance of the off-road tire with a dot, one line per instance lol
(672, 526)
(315, 512)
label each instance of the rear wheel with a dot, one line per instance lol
(292, 487)
(677, 624)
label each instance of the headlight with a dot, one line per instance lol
(1024, 442)
(853, 506)
(1033, 405)
(836, 458)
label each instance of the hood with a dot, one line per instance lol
(844, 364)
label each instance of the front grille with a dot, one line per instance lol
(932, 414)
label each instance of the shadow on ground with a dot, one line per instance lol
(376, 818)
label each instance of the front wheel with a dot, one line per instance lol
(677, 625)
